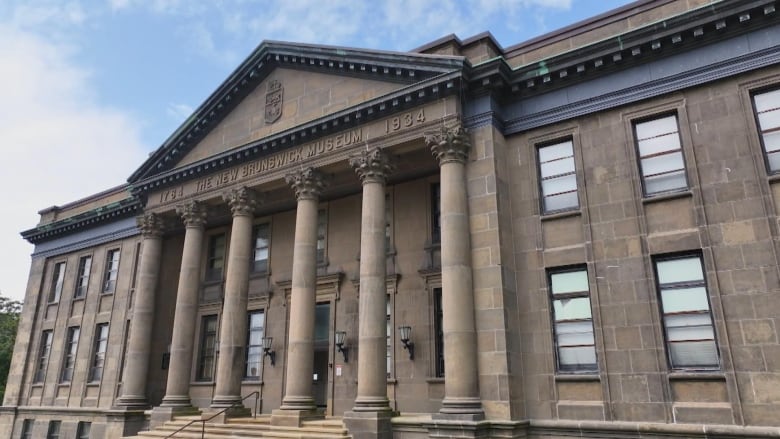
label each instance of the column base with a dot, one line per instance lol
(294, 418)
(460, 409)
(163, 414)
(369, 425)
(125, 421)
(221, 402)
(228, 413)
(131, 402)
(376, 404)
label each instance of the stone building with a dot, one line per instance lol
(573, 236)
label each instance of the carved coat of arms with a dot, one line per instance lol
(273, 101)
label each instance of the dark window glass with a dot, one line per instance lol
(261, 251)
(58, 278)
(438, 332)
(82, 282)
(660, 155)
(558, 178)
(112, 271)
(69, 360)
(208, 348)
(54, 430)
(44, 350)
(690, 335)
(27, 426)
(322, 231)
(254, 345)
(216, 258)
(572, 321)
(99, 352)
(83, 430)
(436, 213)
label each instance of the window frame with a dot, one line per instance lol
(435, 206)
(55, 427)
(99, 349)
(322, 235)
(254, 269)
(83, 430)
(258, 347)
(57, 282)
(590, 368)
(680, 285)
(639, 157)
(27, 428)
(69, 354)
(44, 352)
(212, 273)
(82, 277)
(111, 271)
(438, 333)
(760, 131)
(201, 373)
(543, 197)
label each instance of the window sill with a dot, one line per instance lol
(93, 384)
(251, 381)
(561, 214)
(202, 383)
(392, 381)
(66, 384)
(578, 377)
(773, 178)
(435, 380)
(697, 375)
(667, 197)
(79, 299)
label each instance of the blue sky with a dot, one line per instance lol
(91, 87)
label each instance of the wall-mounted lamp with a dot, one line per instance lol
(340, 336)
(406, 331)
(267, 343)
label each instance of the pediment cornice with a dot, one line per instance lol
(403, 68)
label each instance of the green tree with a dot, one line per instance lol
(9, 322)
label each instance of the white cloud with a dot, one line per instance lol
(58, 143)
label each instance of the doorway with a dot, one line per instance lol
(321, 355)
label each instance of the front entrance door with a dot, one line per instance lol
(321, 354)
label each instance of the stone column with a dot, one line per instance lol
(371, 415)
(140, 339)
(232, 334)
(461, 389)
(298, 402)
(177, 393)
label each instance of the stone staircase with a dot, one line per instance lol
(260, 427)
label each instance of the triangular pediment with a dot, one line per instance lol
(285, 99)
(283, 85)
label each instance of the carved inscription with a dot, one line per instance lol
(406, 120)
(299, 155)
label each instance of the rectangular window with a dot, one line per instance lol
(216, 258)
(438, 333)
(260, 257)
(690, 335)
(99, 355)
(558, 178)
(44, 350)
(573, 322)
(54, 430)
(322, 231)
(58, 278)
(767, 106)
(112, 270)
(208, 348)
(660, 155)
(27, 427)
(82, 432)
(435, 213)
(82, 282)
(69, 360)
(388, 222)
(389, 338)
(254, 345)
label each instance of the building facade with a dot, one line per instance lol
(573, 236)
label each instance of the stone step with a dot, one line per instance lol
(260, 427)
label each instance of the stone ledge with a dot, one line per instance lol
(649, 429)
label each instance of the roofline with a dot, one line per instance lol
(82, 201)
(465, 42)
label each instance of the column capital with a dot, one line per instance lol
(372, 166)
(308, 183)
(449, 144)
(150, 224)
(192, 213)
(242, 201)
